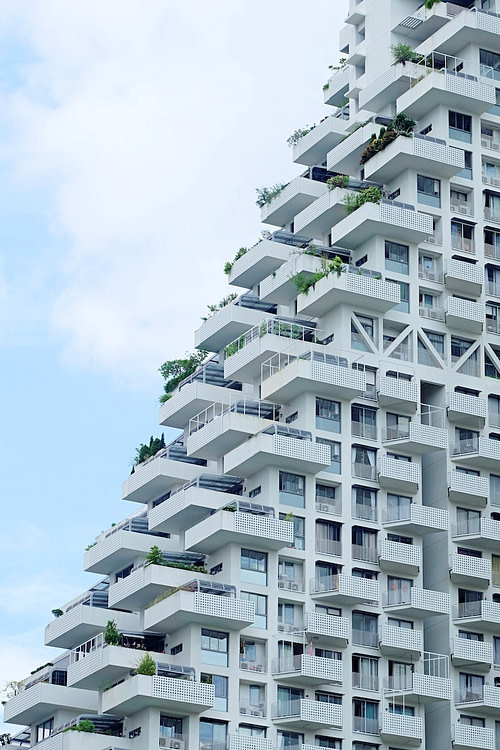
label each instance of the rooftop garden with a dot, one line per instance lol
(401, 125)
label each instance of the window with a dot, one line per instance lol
(437, 341)
(335, 457)
(494, 489)
(489, 64)
(328, 540)
(398, 590)
(397, 257)
(325, 499)
(459, 347)
(44, 729)
(492, 274)
(460, 126)
(176, 649)
(492, 244)
(404, 292)
(428, 191)
(397, 426)
(364, 462)
(364, 544)
(288, 701)
(170, 727)
(471, 721)
(254, 567)
(329, 742)
(299, 534)
(214, 647)
(364, 672)
(468, 521)
(466, 441)
(396, 622)
(400, 675)
(213, 734)
(326, 576)
(364, 629)
(491, 206)
(398, 507)
(364, 422)
(331, 698)
(260, 602)
(365, 716)
(250, 730)
(471, 687)
(289, 739)
(290, 575)
(469, 603)
(292, 489)
(289, 616)
(466, 172)
(220, 687)
(327, 415)
(364, 503)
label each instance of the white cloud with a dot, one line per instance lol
(149, 125)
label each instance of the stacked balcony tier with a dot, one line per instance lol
(260, 261)
(298, 194)
(420, 688)
(82, 622)
(312, 147)
(395, 728)
(482, 613)
(469, 411)
(279, 287)
(144, 584)
(105, 665)
(116, 549)
(416, 519)
(485, 702)
(186, 508)
(191, 399)
(427, 155)
(463, 278)
(466, 737)
(42, 699)
(477, 655)
(209, 610)
(326, 211)
(480, 453)
(169, 694)
(393, 221)
(417, 602)
(225, 325)
(353, 289)
(445, 88)
(396, 641)
(417, 438)
(344, 589)
(156, 477)
(464, 315)
(276, 450)
(310, 670)
(286, 376)
(227, 527)
(466, 570)
(81, 741)
(399, 476)
(468, 489)
(398, 392)
(328, 628)
(395, 557)
(480, 532)
(307, 714)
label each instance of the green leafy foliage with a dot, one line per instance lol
(353, 201)
(147, 665)
(298, 134)
(176, 370)
(338, 181)
(111, 635)
(266, 195)
(340, 65)
(228, 267)
(212, 309)
(148, 451)
(304, 283)
(47, 664)
(154, 556)
(430, 3)
(403, 53)
(84, 725)
(57, 612)
(400, 125)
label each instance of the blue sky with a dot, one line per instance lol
(132, 138)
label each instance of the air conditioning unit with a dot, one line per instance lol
(324, 508)
(243, 710)
(171, 743)
(244, 665)
(294, 587)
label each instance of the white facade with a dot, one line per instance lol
(329, 517)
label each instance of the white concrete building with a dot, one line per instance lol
(329, 517)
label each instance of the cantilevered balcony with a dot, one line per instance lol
(416, 602)
(399, 476)
(446, 88)
(466, 737)
(421, 435)
(354, 289)
(485, 701)
(424, 22)
(411, 518)
(396, 641)
(466, 570)
(390, 219)
(157, 476)
(285, 376)
(335, 93)
(430, 156)
(313, 147)
(144, 584)
(419, 688)
(115, 548)
(463, 278)
(396, 556)
(246, 529)
(258, 262)
(245, 355)
(328, 628)
(483, 614)
(281, 447)
(298, 194)
(225, 325)
(464, 315)
(279, 286)
(192, 398)
(345, 157)
(41, 700)
(344, 589)
(318, 218)
(227, 423)
(469, 411)
(247, 742)
(189, 606)
(103, 665)
(480, 453)
(307, 714)
(97, 740)
(468, 489)
(473, 26)
(82, 622)
(194, 502)
(396, 728)
(398, 392)
(310, 670)
(169, 694)
(393, 82)
(480, 532)
(478, 655)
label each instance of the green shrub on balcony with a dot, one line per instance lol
(112, 636)
(304, 283)
(430, 3)
(338, 181)
(147, 666)
(228, 267)
(84, 725)
(266, 195)
(177, 370)
(298, 134)
(154, 556)
(353, 201)
(400, 125)
(224, 302)
(148, 451)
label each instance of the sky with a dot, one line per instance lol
(132, 139)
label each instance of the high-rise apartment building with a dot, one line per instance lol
(326, 526)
